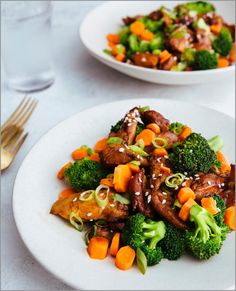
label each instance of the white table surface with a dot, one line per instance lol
(81, 82)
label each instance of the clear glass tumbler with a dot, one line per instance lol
(26, 44)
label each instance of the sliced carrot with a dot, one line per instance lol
(225, 166)
(122, 176)
(185, 209)
(184, 194)
(232, 53)
(164, 56)
(209, 204)
(230, 217)
(107, 182)
(133, 168)
(137, 28)
(185, 133)
(222, 62)
(125, 258)
(79, 154)
(60, 174)
(115, 244)
(95, 157)
(216, 28)
(154, 127)
(98, 247)
(160, 152)
(113, 38)
(147, 136)
(147, 35)
(66, 193)
(166, 169)
(120, 57)
(101, 145)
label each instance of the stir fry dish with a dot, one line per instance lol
(191, 36)
(149, 190)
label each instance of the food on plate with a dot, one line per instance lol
(189, 37)
(151, 190)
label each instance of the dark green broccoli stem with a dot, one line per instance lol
(216, 143)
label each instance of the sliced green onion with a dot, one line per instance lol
(91, 232)
(89, 150)
(101, 223)
(76, 221)
(216, 143)
(140, 143)
(136, 163)
(115, 140)
(108, 52)
(141, 261)
(138, 150)
(177, 204)
(87, 195)
(102, 202)
(159, 142)
(144, 108)
(174, 180)
(120, 49)
(121, 199)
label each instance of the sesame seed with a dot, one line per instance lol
(89, 214)
(160, 175)
(143, 59)
(176, 188)
(153, 175)
(222, 184)
(129, 124)
(121, 150)
(198, 178)
(163, 201)
(138, 156)
(164, 193)
(140, 180)
(151, 186)
(158, 159)
(184, 184)
(187, 178)
(137, 193)
(149, 198)
(191, 178)
(166, 157)
(185, 173)
(112, 205)
(75, 199)
(111, 230)
(91, 219)
(196, 175)
(209, 182)
(219, 185)
(146, 193)
(130, 120)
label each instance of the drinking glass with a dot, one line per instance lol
(26, 44)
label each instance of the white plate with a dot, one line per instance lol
(60, 248)
(107, 19)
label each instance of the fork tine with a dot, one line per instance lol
(8, 136)
(28, 113)
(11, 142)
(21, 112)
(19, 144)
(7, 122)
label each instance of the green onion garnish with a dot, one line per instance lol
(108, 52)
(144, 108)
(177, 204)
(89, 150)
(141, 261)
(76, 221)
(87, 195)
(140, 143)
(115, 140)
(136, 163)
(91, 232)
(102, 202)
(121, 199)
(173, 181)
(101, 223)
(138, 150)
(159, 142)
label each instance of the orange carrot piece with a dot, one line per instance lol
(98, 247)
(160, 152)
(60, 174)
(209, 204)
(125, 258)
(122, 176)
(137, 28)
(166, 169)
(115, 244)
(66, 193)
(216, 28)
(147, 136)
(133, 168)
(113, 38)
(225, 166)
(222, 62)
(232, 53)
(164, 56)
(95, 157)
(185, 209)
(101, 145)
(120, 57)
(230, 217)
(185, 133)
(79, 154)
(185, 194)
(107, 182)
(154, 127)
(147, 35)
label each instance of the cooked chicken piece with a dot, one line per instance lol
(104, 232)
(208, 184)
(116, 226)
(128, 128)
(170, 137)
(88, 210)
(178, 43)
(185, 20)
(166, 66)
(146, 60)
(156, 15)
(203, 40)
(152, 116)
(128, 20)
(229, 194)
(161, 201)
(140, 201)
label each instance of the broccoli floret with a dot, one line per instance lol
(206, 240)
(143, 233)
(173, 244)
(188, 56)
(204, 60)
(117, 126)
(176, 127)
(192, 155)
(139, 128)
(200, 7)
(223, 43)
(84, 174)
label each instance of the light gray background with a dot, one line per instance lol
(81, 82)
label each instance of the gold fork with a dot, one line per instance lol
(12, 140)
(22, 113)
